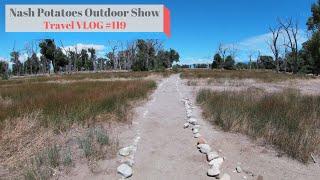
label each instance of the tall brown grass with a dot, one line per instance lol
(288, 119)
(81, 76)
(64, 104)
(261, 75)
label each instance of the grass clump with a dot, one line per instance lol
(261, 75)
(95, 143)
(288, 119)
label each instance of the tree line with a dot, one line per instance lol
(138, 55)
(283, 43)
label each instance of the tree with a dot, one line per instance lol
(311, 49)
(48, 49)
(311, 52)
(266, 62)
(61, 60)
(241, 65)
(93, 57)
(32, 65)
(17, 65)
(291, 29)
(85, 63)
(229, 63)
(274, 46)
(4, 67)
(217, 61)
(313, 22)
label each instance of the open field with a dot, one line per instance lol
(281, 109)
(259, 75)
(74, 127)
(82, 76)
(34, 116)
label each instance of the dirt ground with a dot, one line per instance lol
(167, 151)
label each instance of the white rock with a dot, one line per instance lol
(125, 151)
(197, 135)
(192, 121)
(195, 131)
(197, 126)
(186, 125)
(225, 176)
(125, 170)
(189, 115)
(212, 155)
(213, 172)
(204, 148)
(238, 169)
(216, 162)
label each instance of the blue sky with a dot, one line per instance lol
(197, 26)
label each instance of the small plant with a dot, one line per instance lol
(67, 158)
(53, 156)
(101, 136)
(86, 145)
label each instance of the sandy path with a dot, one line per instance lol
(167, 151)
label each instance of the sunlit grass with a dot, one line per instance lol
(64, 104)
(288, 119)
(261, 75)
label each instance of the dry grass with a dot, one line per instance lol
(288, 119)
(64, 104)
(35, 119)
(81, 76)
(260, 75)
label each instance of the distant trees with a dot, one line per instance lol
(139, 55)
(222, 59)
(4, 68)
(284, 45)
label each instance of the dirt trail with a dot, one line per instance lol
(167, 151)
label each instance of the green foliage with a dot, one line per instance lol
(102, 136)
(313, 22)
(48, 50)
(67, 157)
(266, 62)
(217, 61)
(147, 59)
(229, 63)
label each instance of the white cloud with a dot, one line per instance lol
(3, 59)
(99, 48)
(195, 60)
(23, 57)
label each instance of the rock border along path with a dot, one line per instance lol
(173, 142)
(215, 161)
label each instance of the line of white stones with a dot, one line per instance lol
(127, 154)
(215, 161)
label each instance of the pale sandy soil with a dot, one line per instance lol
(311, 86)
(167, 151)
